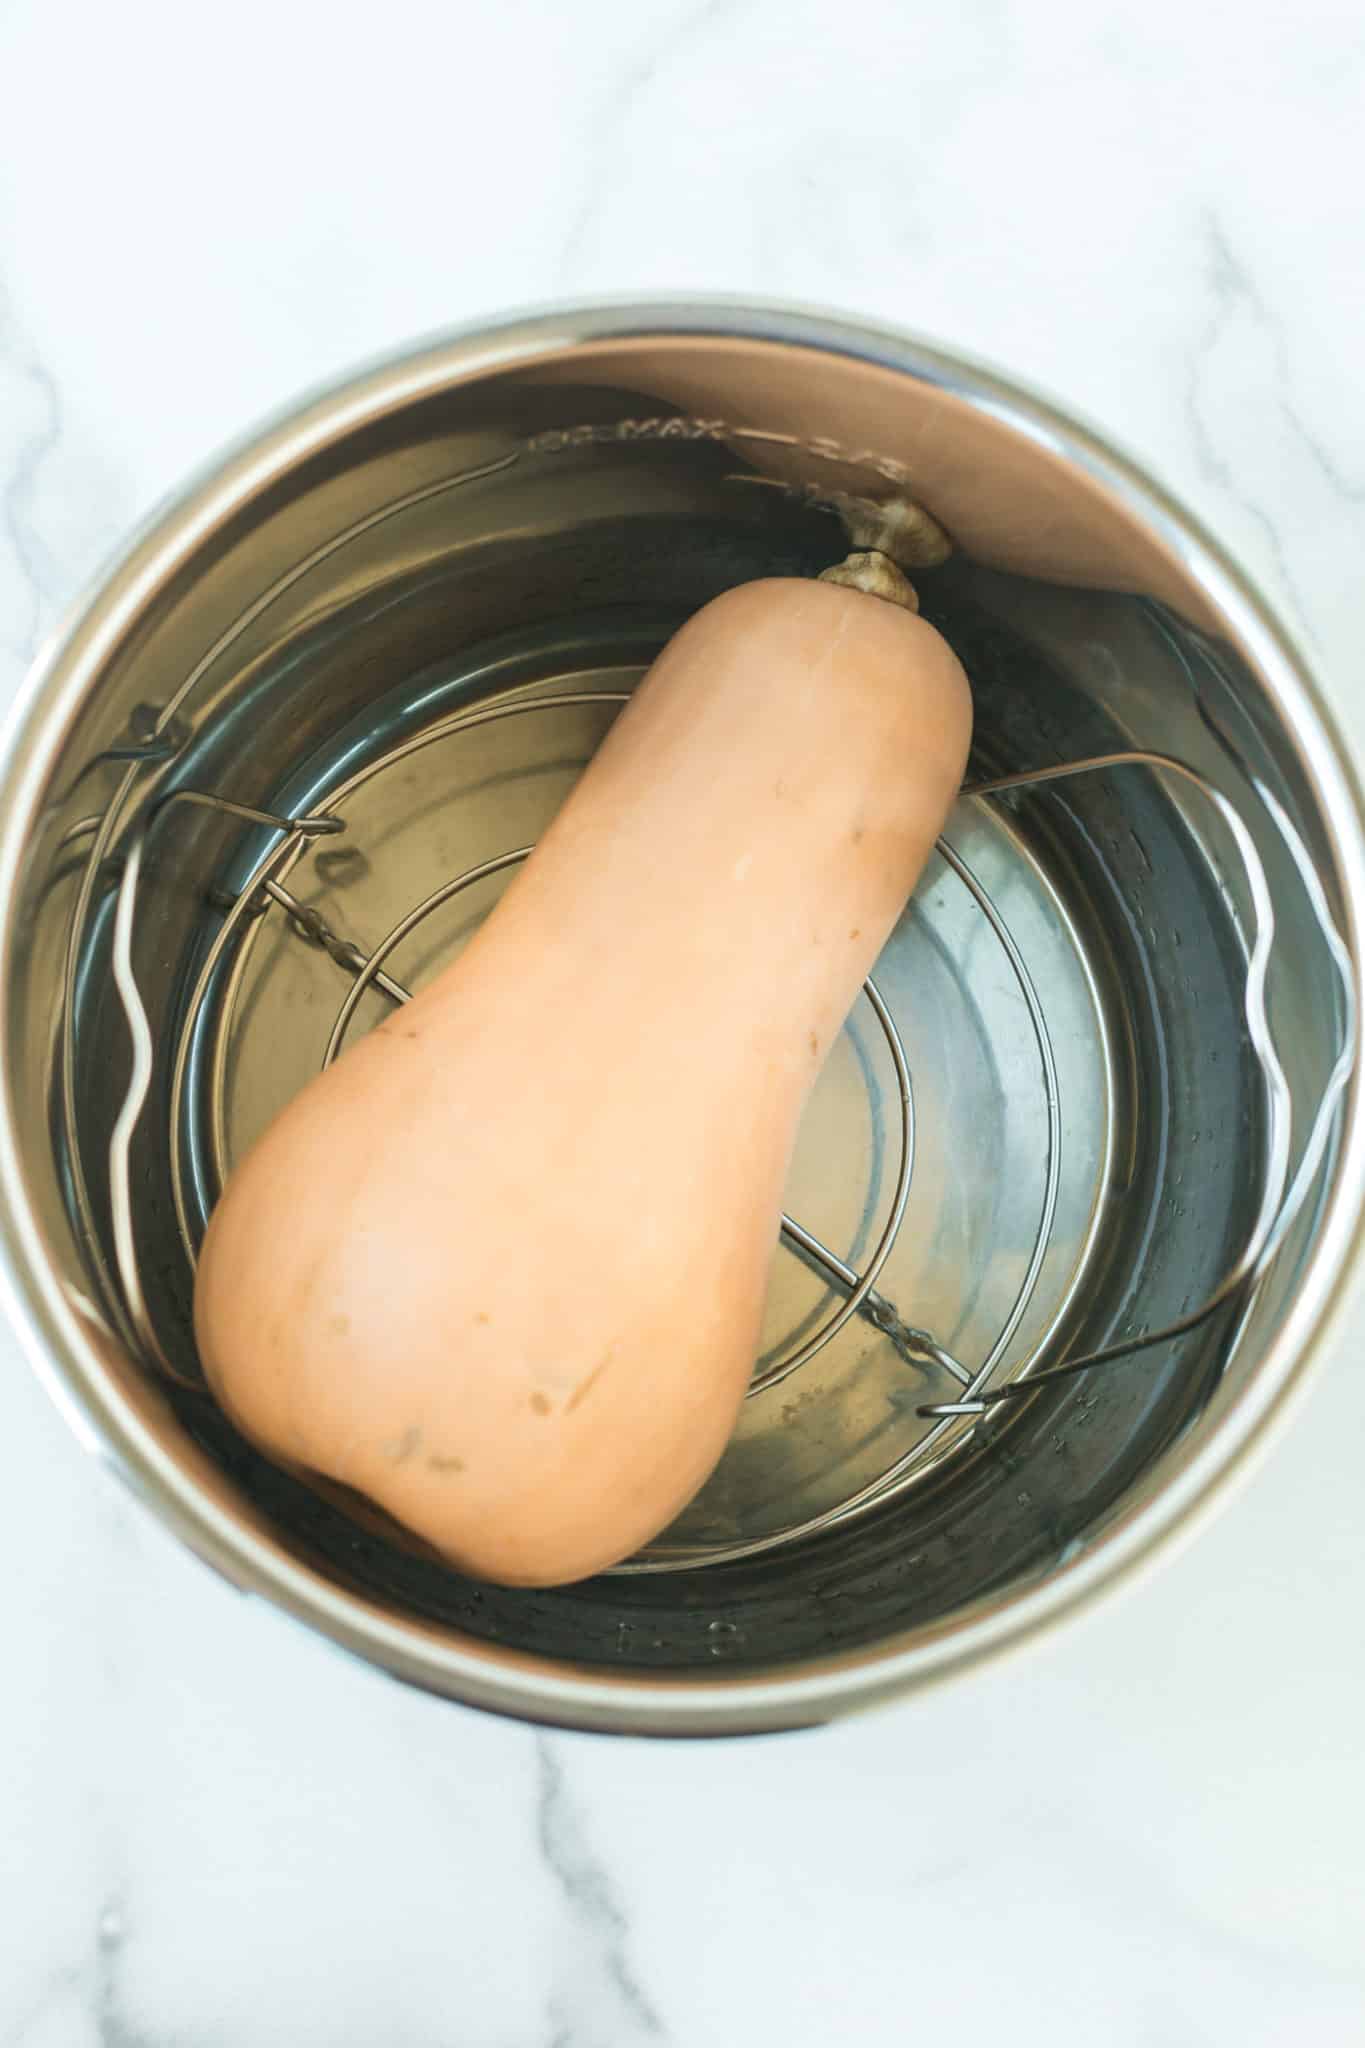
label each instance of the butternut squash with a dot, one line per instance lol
(502, 1266)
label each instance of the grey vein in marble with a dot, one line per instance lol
(599, 1920)
(39, 410)
(97, 1990)
(1232, 295)
(625, 87)
(1302, 466)
(116, 2030)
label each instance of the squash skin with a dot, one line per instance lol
(502, 1267)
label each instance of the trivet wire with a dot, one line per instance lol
(1281, 1195)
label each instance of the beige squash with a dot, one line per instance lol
(502, 1267)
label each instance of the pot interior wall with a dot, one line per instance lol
(518, 538)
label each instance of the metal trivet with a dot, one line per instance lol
(982, 1385)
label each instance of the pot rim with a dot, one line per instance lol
(61, 1345)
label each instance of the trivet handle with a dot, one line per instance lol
(1281, 1197)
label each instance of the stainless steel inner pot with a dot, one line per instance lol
(512, 521)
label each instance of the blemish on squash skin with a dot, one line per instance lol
(857, 835)
(338, 1325)
(439, 1464)
(483, 1316)
(399, 1449)
(815, 1045)
(856, 932)
(540, 1404)
(585, 1387)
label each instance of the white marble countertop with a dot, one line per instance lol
(1150, 1832)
